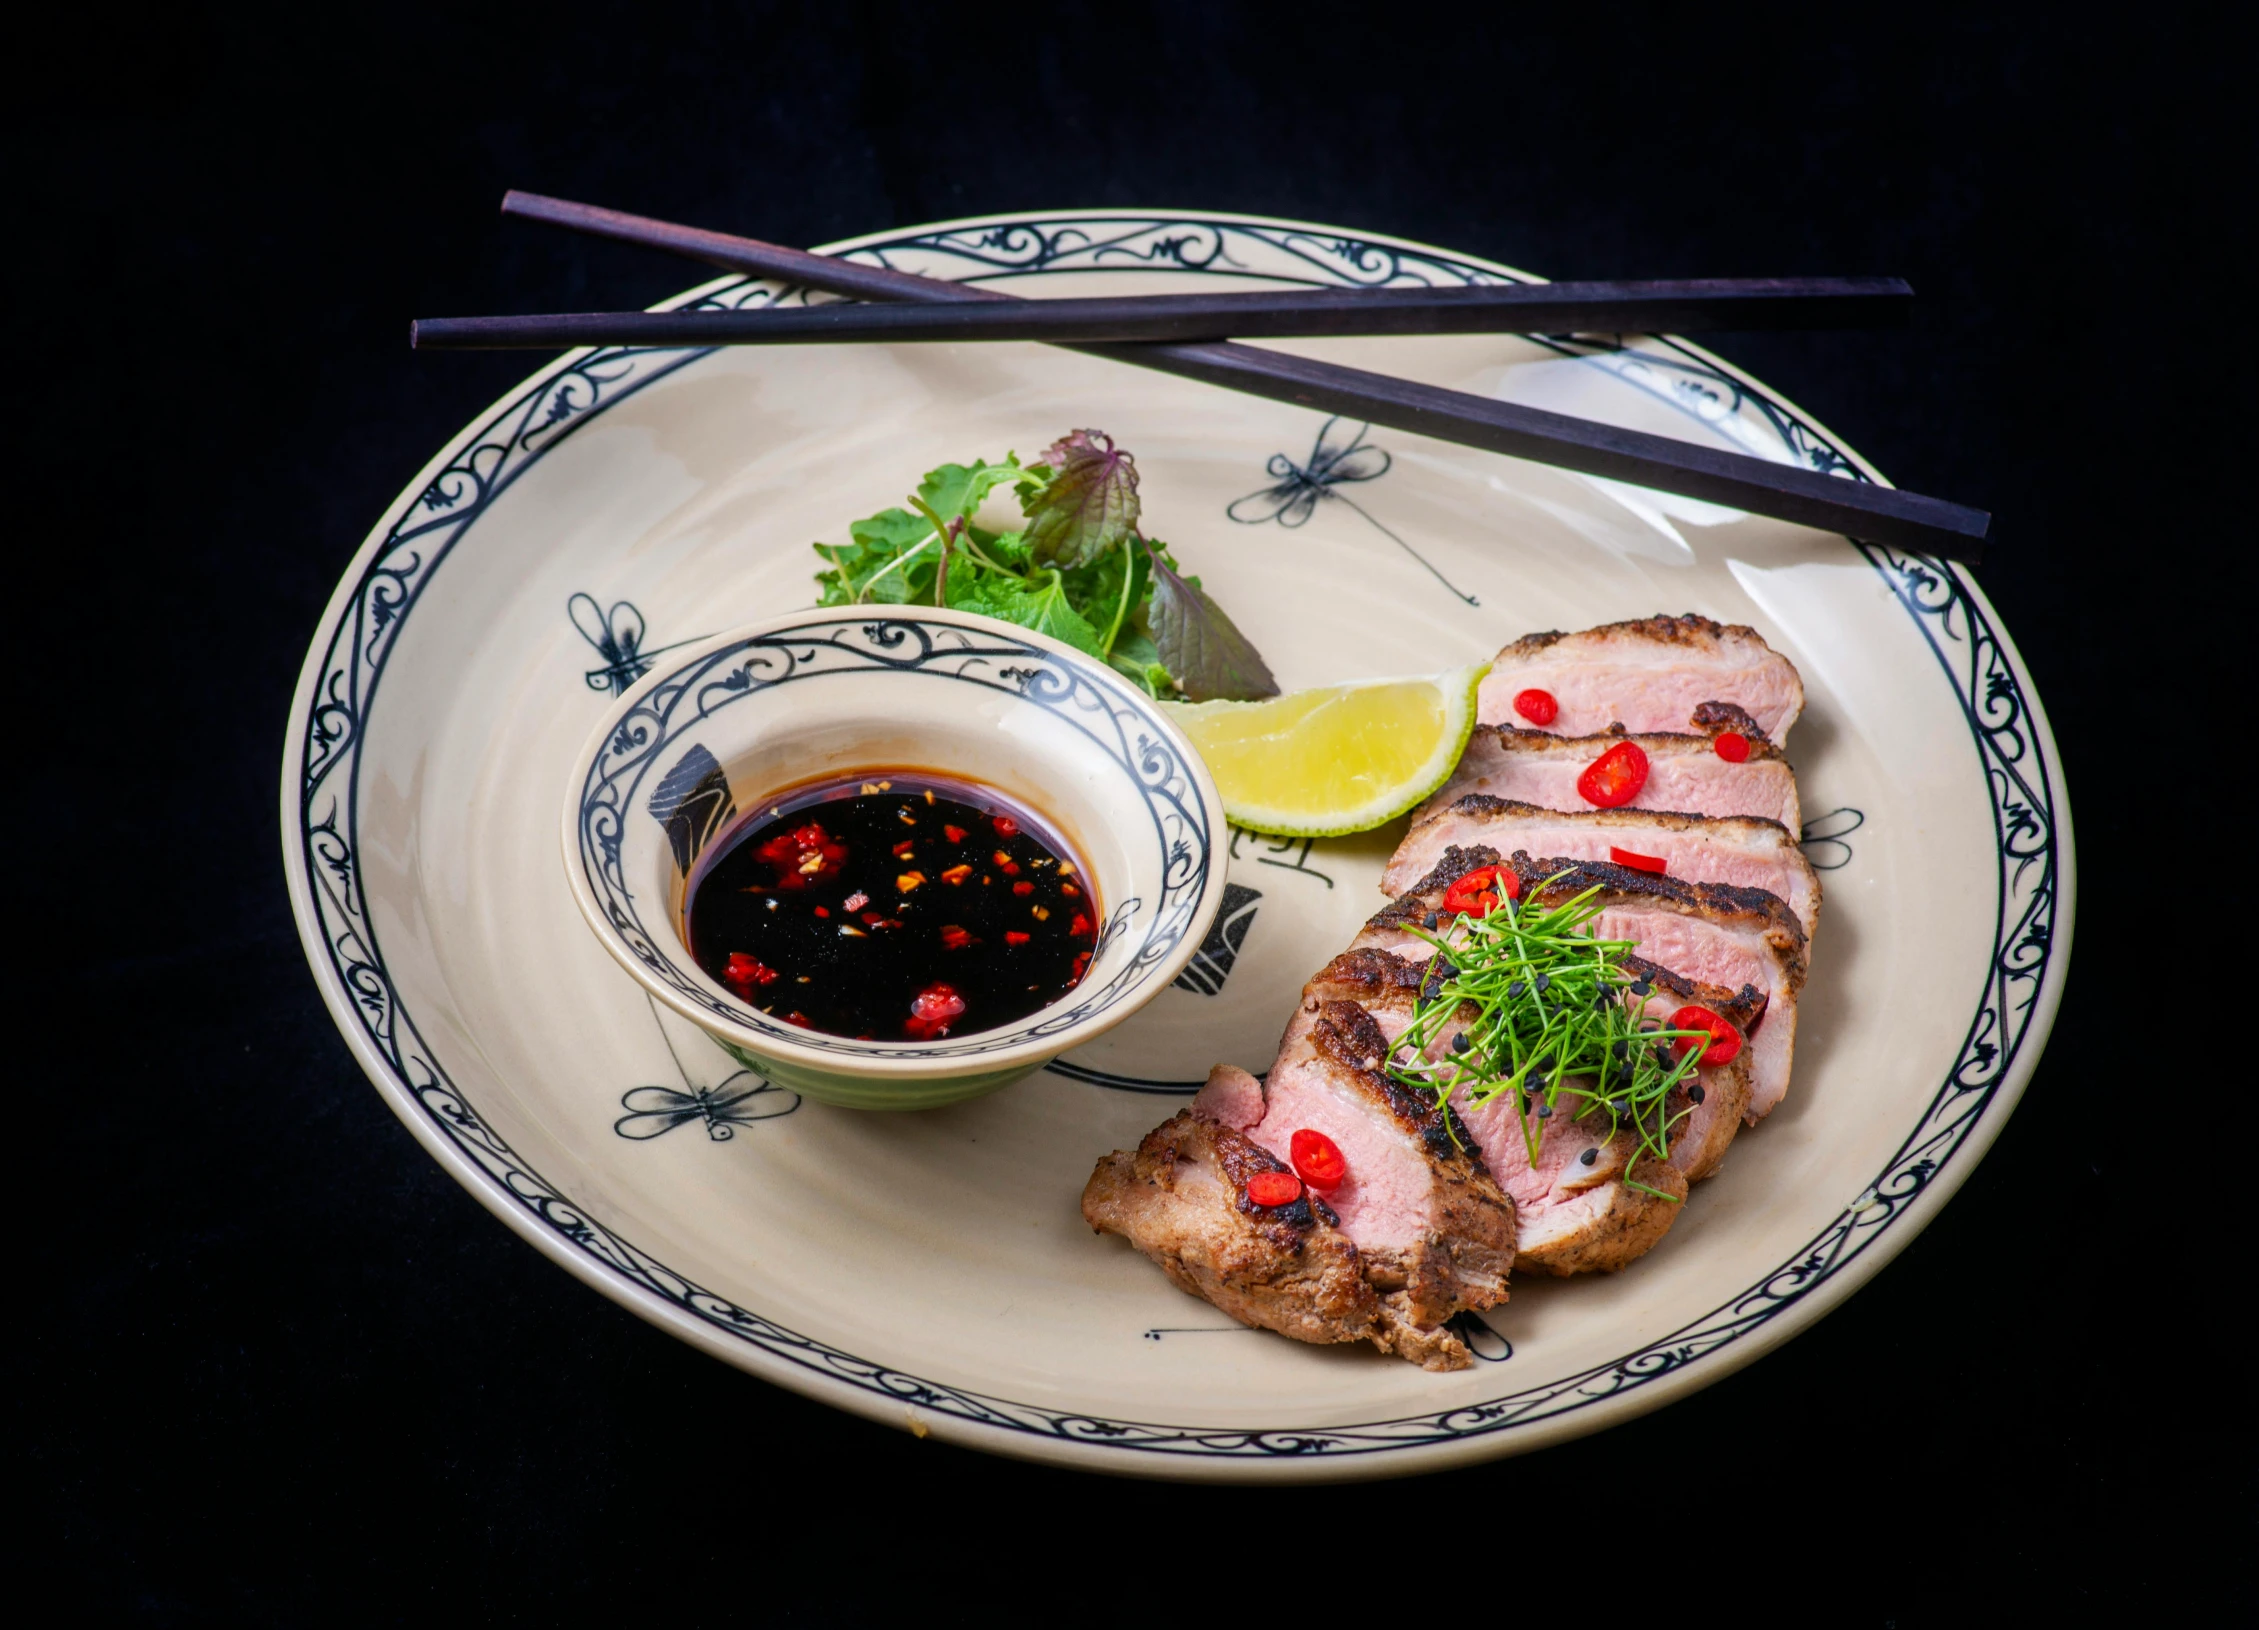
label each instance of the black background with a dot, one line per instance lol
(277, 1367)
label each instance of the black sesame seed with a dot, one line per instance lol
(1513, 990)
(1591, 1157)
(1619, 1105)
(1696, 1093)
(1460, 1043)
(1543, 980)
(1641, 987)
(1544, 1112)
(1429, 921)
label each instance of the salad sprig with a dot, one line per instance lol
(1557, 1022)
(1077, 568)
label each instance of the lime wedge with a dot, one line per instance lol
(1342, 758)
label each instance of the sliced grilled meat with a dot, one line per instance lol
(1570, 1217)
(1738, 849)
(1426, 1216)
(1644, 676)
(1181, 1198)
(1712, 932)
(1684, 772)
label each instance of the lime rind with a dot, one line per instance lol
(1457, 689)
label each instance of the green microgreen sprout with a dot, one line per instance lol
(1527, 1000)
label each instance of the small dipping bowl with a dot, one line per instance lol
(715, 729)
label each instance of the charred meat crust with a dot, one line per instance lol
(1738, 1008)
(1691, 630)
(1671, 820)
(1660, 743)
(1716, 718)
(1558, 879)
(1352, 1039)
(1368, 974)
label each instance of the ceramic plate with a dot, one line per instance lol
(932, 1270)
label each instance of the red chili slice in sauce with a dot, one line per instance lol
(743, 972)
(1537, 706)
(1733, 747)
(1725, 1040)
(1476, 894)
(807, 854)
(1274, 1188)
(1637, 861)
(1614, 778)
(932, 1010)
(1318, 1158)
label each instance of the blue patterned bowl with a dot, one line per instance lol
(716, 728)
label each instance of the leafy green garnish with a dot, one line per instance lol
(1077, 569)
(1199, 645)
(1088, 506)
(1546, 1013)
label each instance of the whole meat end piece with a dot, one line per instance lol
(1644, 675)
(1181, 1198)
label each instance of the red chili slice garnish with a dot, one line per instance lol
(1023, 888)
(955, 939)
(1476, 894)
(1637, 861)
(955, 834)
(1318, 1158)
(1012, 936)
(1614, 778)
(1725, 1040)
(1274, 1188)
(1733, 747)
(1005, 826)
(1537, 706)
(1079, 927)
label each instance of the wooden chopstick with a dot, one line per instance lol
(1678, 307)
(1859, 509)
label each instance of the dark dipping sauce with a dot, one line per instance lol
(892, 905)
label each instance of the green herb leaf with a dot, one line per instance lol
(958, 489)
(1039, 603)
(1088, 506)
(890, 561)
(1209, 658)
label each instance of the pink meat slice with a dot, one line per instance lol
(1425, 1215)
(1684, 773)
(1740, 849)
(1644, 676)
